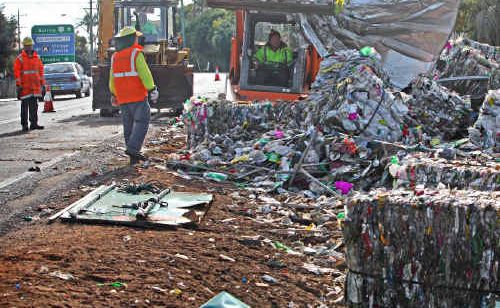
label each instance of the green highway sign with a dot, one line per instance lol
(54, 43)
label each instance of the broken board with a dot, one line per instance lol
(105, 205)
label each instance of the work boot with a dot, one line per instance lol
(136, 157)
(25, 128)
(36, 127)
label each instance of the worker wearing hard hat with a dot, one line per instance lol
(273, 61)
(132, 87)
(28, 71)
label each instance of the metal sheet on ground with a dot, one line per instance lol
(182, 208)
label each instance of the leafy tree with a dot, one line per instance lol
(85, 21)
(8, 28)
(82, 52)
(208, 34)
(479, 20)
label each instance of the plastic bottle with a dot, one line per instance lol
(215, 176)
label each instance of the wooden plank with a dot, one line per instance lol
(286, 6)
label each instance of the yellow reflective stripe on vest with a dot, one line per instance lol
(133, 70)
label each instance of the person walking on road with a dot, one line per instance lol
(132, 88)
(28, 71)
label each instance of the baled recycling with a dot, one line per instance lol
(432, 240)
(359, 119)
(486, 131)
(351, 95)
(448, 170)
(465, 57)
(435, 247)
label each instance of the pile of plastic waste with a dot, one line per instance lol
(446, 168)
(352, 94)
(434, 107)
(345, 131)
(486, 131)
(356, 133)
(465, 57)
(431, 247)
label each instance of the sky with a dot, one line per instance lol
(48, 12)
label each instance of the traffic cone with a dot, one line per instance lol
(217, 75)
(48, 103)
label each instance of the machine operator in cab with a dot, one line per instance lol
(273, 62)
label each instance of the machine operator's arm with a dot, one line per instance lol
(259, 56)
(289, 56)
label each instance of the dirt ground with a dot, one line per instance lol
(118, 266)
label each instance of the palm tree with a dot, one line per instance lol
(86, 21)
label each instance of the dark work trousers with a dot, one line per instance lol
(29, 105)
(268, 76)
(135, 118)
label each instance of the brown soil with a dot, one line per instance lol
(151, 265)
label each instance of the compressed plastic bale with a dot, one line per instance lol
(438, 248)
(241, 121)
(465, 57)
(352, 94)
(486, 131)
(417, 169)
(438, 111)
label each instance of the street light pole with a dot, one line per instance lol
(18, 32)
(183, 26)
(91, 37)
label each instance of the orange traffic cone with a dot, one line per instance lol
(48, 105)
(217, 75)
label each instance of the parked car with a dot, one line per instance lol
(67, 78)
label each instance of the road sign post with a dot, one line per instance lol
(54, 43)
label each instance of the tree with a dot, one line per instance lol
(8, 28)
(86, 21)
(208, 34)
(479, 19)
(82, 44)
(82, 52)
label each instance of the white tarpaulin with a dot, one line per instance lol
(409, 34)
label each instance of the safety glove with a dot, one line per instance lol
(154, 95)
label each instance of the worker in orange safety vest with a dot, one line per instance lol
(132, 87)
(28, 71)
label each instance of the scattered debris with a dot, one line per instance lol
(269, 279)
(61, 275)
(226, 258)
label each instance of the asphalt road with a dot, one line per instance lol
(72, 128)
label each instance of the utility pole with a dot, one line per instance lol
(18, 32)
(91, 37)
(183, 26)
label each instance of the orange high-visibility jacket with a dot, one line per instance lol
(128, 85)
(28, 72)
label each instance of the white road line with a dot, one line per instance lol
(45, 165)
(17, 119)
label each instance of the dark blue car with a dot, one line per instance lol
(67, 78)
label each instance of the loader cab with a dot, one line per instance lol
(285, 77)
(155, 19)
